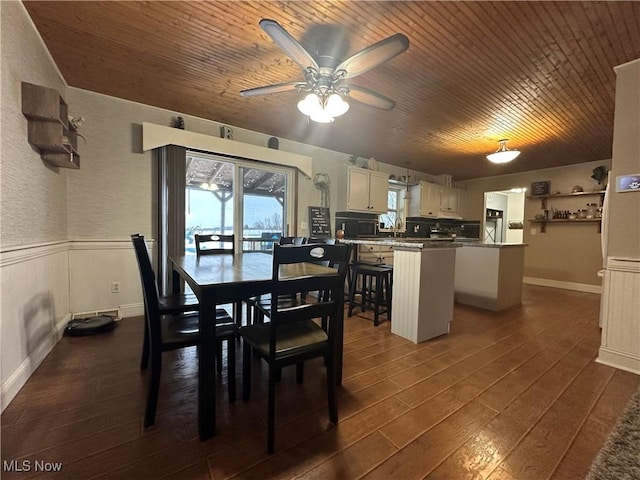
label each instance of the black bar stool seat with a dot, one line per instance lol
(376, 282)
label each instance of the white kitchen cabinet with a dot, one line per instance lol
(462, 203)
(367, 191)
(425, 200)
(449, 199)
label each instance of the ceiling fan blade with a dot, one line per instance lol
(374, 55)
(288, 44)
(369, 97)
(275, 88)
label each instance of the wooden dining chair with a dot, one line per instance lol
(171, 331)
(167, 304)
(292, 240)
(212, 244)
(215, 244)
(265, 299)
(292, 336)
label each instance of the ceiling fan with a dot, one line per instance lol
(324, 80)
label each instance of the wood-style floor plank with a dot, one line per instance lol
(513, 395)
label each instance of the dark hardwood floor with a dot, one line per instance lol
(513, 395)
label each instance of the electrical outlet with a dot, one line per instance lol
(304, 225)
(115, 287)
(533, 231)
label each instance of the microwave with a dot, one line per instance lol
(356, 226)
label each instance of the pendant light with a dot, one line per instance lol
(503, 155)
(407, 193)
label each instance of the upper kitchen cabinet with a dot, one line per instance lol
(367, 190)
(449, 200)
(48, 126)
(425, 200)
(434, 200)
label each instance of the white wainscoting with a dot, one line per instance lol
(620, 313)
(43, 285)
(93, 266)
(34, 310)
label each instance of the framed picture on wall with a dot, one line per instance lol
(540, 189)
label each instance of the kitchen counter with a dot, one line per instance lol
(476, 243)
(411, 243)
(489, 275)
(422, 295)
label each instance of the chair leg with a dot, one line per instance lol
(154, 388)
(246, 371)
(219, 356)
(388, 295)
(144, 359)
(331, 388)
(299, 372)
(352, 291)
(271, 414)
(376, 304)
(231, 368)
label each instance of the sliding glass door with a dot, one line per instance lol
(264, 212)
(252, 200)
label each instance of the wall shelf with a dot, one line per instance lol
(543, 223)
(48, 126)
(543, 204)
(543, 198)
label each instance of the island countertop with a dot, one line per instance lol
(412, 243)
(490, 245)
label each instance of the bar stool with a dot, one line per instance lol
(376, 282)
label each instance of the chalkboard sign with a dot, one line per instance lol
(319, 222)
(539, 189)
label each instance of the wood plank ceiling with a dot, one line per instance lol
(538, 73)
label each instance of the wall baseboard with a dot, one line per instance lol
(619, 360)
(132, 310)
(12, 385)
(578, 287)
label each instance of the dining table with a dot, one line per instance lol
(228, 278)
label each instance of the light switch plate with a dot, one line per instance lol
(533, 231)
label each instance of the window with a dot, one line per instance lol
(394, 218)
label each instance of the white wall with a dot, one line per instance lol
(620, 306)
(567, 255)
(34, 289)
(515, 213)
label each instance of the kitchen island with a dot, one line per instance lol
(489, 275)
(423, 281)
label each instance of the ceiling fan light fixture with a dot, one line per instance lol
(336, 106)
(503, 155)
(321, 109)
(309, 104)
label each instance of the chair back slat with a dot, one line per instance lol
(212, 244)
